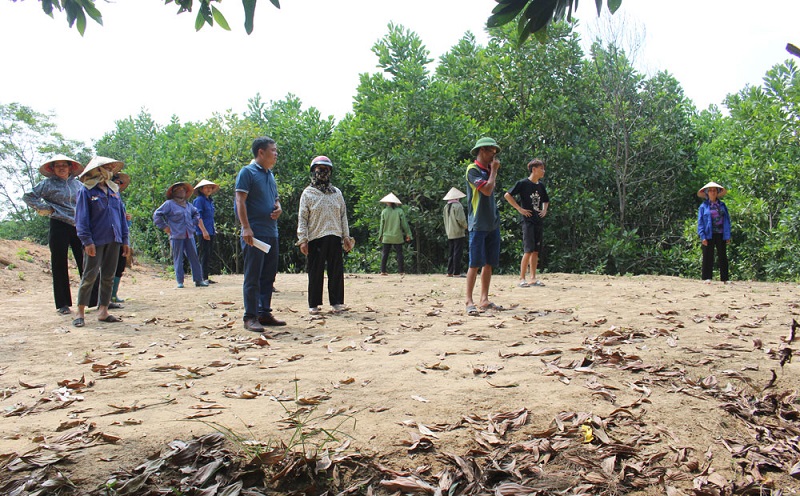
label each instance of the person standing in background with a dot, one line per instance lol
(123, 180)
(714, 229)
(205, 206)
(455, 225)
(393, 232)
(178, 218)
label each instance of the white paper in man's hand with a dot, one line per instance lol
(261, 245)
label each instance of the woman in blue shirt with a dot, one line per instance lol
(205, 207)
(103, 231)
(714, 229)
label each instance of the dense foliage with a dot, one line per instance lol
(625, 155)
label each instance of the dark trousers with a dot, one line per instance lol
(204, 248)
(455, 254)
(259, 276)
(321, 252)
(102, 265)
(398, 248)
(718, 244)
(63, 237)
(122, 261)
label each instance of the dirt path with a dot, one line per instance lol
(671, 352)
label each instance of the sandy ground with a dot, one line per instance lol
(405, 354)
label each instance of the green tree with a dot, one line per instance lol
(754, 153)
(404, 136)
(533, 16)
(27, 139)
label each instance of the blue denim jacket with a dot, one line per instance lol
(704, 227)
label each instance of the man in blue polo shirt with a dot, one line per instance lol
(483, 221)
(258, 209)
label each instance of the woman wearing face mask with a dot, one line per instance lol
(55, 198)
(103, 231)
(322, 234)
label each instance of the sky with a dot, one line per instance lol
(147, 57)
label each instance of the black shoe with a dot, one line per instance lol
(64, 311)
(270, 320)
(210, 281)
(253, 325)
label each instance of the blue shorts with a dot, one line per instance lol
(484, 248)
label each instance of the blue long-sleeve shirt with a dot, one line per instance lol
(100, 217)
(57, 194)
(705, 229)
(205, 206)
(181, 219)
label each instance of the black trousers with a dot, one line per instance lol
(398, 248)
(321, 252)
(204, 250)
(718, 244)
(455, 255)
(63, 237)
(122, 261)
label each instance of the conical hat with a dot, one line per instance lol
(206, 182)
(390, 198)
(98, 162)
(124, 180)
(702, 191)
(46, 169)
(454, 194)
(187, 186)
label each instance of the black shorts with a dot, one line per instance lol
(532, 235)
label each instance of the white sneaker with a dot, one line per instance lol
(314, 310)
(341, 307)
(707, 281)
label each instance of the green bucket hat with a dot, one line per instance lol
(484, 142)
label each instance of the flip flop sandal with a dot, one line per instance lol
(492, 306)
(78, 322)
(473, 311)
(110, 319)
(523, 284)
(115, 306)
(538, 284)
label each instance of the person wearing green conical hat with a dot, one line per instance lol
(483, 222)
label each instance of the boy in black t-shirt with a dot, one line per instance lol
(533, 203)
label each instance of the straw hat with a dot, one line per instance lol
(46, 169)
(390, 198)
(206, 182)
(721, 191)
(98, 162)
(484, 142)
(187, 186)
(454, 194)
(124, 180)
